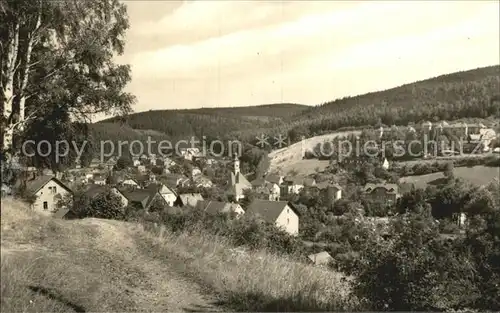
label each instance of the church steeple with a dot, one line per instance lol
(236, 164)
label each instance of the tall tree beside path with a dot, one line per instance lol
(58, 69)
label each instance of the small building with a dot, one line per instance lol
(94, 190)
(44, 192)
(99, 179)
(219, 207)
(280, 213)
(267, 190)
(144, 198)
(130, 182)
(188, 199)
(136, 161)
(382, 192)
(321, 258)
(190, 153)
(6, 190)
(168, 194)
(331, 187)
(275, 179)
(292, 185)
(173, 181)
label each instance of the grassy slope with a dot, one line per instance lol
(477, 175)
(102, 265)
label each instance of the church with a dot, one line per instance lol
(238, 182)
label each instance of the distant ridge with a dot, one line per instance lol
(460, 95)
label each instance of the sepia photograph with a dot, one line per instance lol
(250, 156)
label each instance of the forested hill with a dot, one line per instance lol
(210, 122)
(467, 94)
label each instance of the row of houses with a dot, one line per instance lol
(47, 190)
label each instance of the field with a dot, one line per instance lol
(443, 159)
(51, 265)
(290, 158)
(477, 175)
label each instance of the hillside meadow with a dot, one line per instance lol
(477, 175)
(51, 265)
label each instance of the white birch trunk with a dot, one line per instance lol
(8, 87)
(25, 75)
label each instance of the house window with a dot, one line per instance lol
(288, 211)
(45, 205)
(288, 221)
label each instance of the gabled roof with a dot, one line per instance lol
(240, 179)
(190, 199)
(214, 207)
(157, 186)
(268, 210)
(273, 178)
(327, 184)
(391, 188)
(172, 180)
(258, 182)
(266, 188)
(131, 179)
(320, 258)
(33, 186)
(143, 197)
(93, 190)
(294, 180)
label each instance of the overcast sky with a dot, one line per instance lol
(191, 54)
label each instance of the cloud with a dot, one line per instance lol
(241, 53)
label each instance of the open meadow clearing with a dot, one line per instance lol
(477, 175)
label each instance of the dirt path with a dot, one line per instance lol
(148, 284)
(164, 289)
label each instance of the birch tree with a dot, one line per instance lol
(57, 66)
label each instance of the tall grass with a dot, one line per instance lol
(249, 280)
(51, 265)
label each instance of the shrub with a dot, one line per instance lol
(415, 270)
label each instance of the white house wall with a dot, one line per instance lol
(289, 221)
(45, 195)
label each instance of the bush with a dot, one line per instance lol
(416, 270)
(246, 231)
